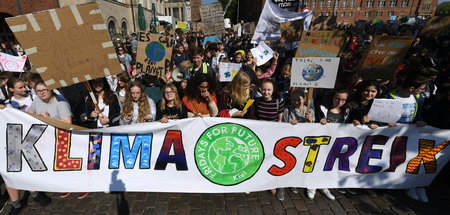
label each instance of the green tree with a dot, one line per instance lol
(443, 9)
(232, 9)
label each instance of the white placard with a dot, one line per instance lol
(227, 23)
(228, 71)
(314, 72)
(386, 110)
(216, 155)
(12, 63)
(262, 53)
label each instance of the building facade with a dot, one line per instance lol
(177, 9)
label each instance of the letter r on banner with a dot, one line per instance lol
(426, 154)
(335, 153)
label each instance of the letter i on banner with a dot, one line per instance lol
(95, 147)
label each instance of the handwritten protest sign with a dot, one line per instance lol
(291, 31)
(12, 63)
(198, 27)
(320, 44)
(249, 28)
(228, 71)
(159, 28)
(154, 53)
(262, 53)
(386, 110)
(435, 25)
(314, 72)
(67, 45)
(212, 18)
(195, 10)
(182, 25)
(290, 5)
(383, 56)
(323, 23)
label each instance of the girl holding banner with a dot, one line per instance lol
(137, 108)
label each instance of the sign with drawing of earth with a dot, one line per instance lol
(155, 51)
(313, 72)
(228, 154)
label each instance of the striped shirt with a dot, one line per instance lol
(268, 110)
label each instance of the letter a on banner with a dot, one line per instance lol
(172, 138)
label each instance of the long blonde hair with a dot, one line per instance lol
(238, 94)
(177, 97)
(144, 106)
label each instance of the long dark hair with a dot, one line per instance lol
(108, 96)
(192, 91)
(357, 96)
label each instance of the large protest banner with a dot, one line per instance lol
(154, 53)
(195, 10)
(12, 63)
(384, 56)
(67, 45)
(314, 72)
(216, 155)
(212, 18)
(320, 44)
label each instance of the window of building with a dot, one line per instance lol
(352, 3)
(321, 14)
(379, 13)
(350, 13)
(335, 13)
(426, 6)
(369, 3)
(392, 3)
(367, 14)
(327, 14)
(343, 14)
(321, 4)
(182, 14)
(405, 3)
(336, 3)
(124, 29)
(165, 11)
(176, 13)
(344, 3)
(381, 3)
(313, 3)
(390, 13)
(112, 29)
(329, 3)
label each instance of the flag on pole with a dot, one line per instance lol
(268, 27)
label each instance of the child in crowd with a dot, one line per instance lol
(122, 83)
(360, 105)
(137, 108)
(269, 107)
(200, 96)
(108, 104)
(179, 55)
(235, 97)
(19, 98)
(170, 107)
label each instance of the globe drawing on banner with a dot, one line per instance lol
(229, 155)
(313, 72)
(155, 51)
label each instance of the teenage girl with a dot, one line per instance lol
(19, 98)
(170, 107)
(137, 108)
(360, 106)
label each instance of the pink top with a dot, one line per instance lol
(269, 72)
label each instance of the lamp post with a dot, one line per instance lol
(132, 15)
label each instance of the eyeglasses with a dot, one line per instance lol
(42, 91)
(120, 50)
(169, 92)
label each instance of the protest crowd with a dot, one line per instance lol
(192, 88)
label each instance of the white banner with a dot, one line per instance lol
(314, 72)
(216, 155)
(262, 53)
(268, 27)
(228, 71)
(12, 63)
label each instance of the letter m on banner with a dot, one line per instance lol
(119, 142)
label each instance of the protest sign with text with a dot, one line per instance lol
(384, 56)
(289, 5)
(228, 71)
(154, 53)
(314, 72)
(216, 155)
(67, 45)
(386, 110)
(212, 18)
(262, 53)
(320, 44)
(12, 63)
(195, 10)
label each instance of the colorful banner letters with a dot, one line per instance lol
(154, 53)
(12, 63)
(383, 56)
(216, 155)
(314, 72)
(228, 71)
(212, 18)
(320, 44)
(67, 45)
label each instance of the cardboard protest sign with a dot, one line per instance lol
(67, 45)
(212, 18)
(291, 31)
(154, 53)
(435, 25)
(12, 63)
(383, 56)
(323, 23)
(228, 71)
(195, 10)
(159, 28)
(182, 25)
(249, 28)
(314, 72)
(262, 53)
(320, 44)
(386, 110)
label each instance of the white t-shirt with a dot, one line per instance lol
(105, 111)
(409, 107)
(23, 105)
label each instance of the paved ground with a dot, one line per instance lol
(366, 202)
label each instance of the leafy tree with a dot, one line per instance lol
(232, 9)
(443, 9)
